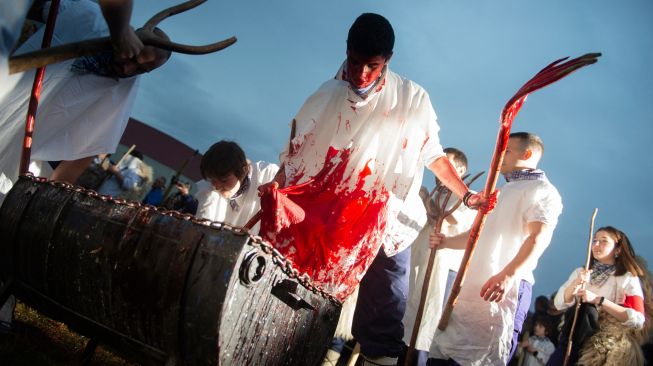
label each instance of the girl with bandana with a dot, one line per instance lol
(615, 311)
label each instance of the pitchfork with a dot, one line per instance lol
(436, 208)
(146, 34)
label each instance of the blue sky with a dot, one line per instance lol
(471, 56)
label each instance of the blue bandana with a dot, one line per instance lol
(95, 64)
(526, 174)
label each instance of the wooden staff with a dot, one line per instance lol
(550, 74)
(177, 175)
(578, 302)
(36, 91)
(106, 174)
(438, 211)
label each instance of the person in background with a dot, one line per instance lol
(445, 267)
(155, 196)
(127, 178)
(538, 347)
(182, 201)
(616, 309)
(229, 191)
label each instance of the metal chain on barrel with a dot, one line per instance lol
(277, 258)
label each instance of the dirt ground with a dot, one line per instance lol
(38, 340)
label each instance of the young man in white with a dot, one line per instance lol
(445, 267)
(228, 193)
(356, 163)
(495, 297)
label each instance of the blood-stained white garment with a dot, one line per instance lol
(214, 207)
(380, 145)
(445, 260)
(480, 332)
(78, 115)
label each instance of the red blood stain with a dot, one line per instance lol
(343, 219)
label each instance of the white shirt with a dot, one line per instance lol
(214, 207)
(480, 332)
(445, 260)
(382, 144)
(131, 169)
(544, 348)
(615, 289)
(78, 115)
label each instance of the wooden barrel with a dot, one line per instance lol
(158, 286)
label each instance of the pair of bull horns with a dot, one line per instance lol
(146, 34)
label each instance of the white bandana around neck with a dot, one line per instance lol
(361, 92)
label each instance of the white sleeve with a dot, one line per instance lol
(433, 149)
(131, 180)
(559, 300)
(206, 200)
(267, 171)
(633, 302)
(544, 351)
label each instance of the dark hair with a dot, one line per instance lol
(626, 261)
(529, 141)
(137, 154)
(371, 35)
(459, 157)
(545, 322)
(541, 302)
(222, 158)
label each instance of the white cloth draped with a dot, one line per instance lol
(393, 131)
(78, 115)
(480, 332)
(445, 260)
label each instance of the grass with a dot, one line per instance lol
(39, 340)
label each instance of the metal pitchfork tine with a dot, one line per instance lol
(146, 34)
(436, 209)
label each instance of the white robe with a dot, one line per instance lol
(445, 260)
(12, 16)
(214, 207)
(480, 332)
(78, 115)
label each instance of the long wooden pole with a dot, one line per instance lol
(177, 175)
(106, 173)
(550, 74)
(36, 91)
(578, 303)
(440, 212)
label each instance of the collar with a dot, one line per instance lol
(243, 188)
(376, 86)
(525, 174)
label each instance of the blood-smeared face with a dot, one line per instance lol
(362, 71)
